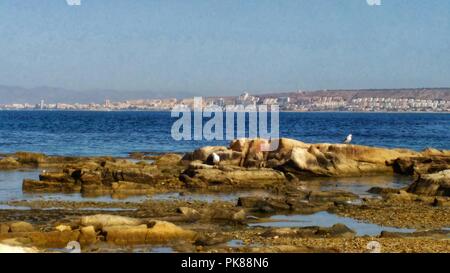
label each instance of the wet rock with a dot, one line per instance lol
(401, 196)
(429, 233)
(264, 204)
(436, 184)
(9, 163)
(30, 185)
(162, 231)
(424, 164)
(63, 228)
(240, 178)
(441, 202)
(21, 227)
(59, 177)
(126, 235)
(168, 160)
(303, 232)
(125, 187)
(155, 232)
(4, 228)
(337, 230)
(210, 240)
(341, 160)
(33, 159)
(331, 196)
(52, 239)
(95, 190)
(382, 191)
(239, 216)
(104, 220)
(290, 249)
(87, 235)
(89, 177)
(189, 213)
(199, 165)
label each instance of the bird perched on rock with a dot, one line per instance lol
(348, 139)
(213, 159)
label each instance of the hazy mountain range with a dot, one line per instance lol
(16, 94)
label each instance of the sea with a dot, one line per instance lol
(118, 133)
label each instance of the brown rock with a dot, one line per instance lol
(168, 160)
(162, 231)
(126, 235)
(63, 228)
(189, 213)
(203, 153)
(9, 163)
(87, 235)
(30, 185)
(4, 228)
(104, 220)
(21, 227)
(240, 178)
(436, 184)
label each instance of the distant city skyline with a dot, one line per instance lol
(211, 48)
(18, 94)
(375, 100)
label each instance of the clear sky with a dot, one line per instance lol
(224, 46)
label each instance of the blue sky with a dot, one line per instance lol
(226, 46)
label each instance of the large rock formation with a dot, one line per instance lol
(305, 159)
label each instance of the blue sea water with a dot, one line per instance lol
(118, 133)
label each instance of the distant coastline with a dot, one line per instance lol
(168, 111)
(363, 100)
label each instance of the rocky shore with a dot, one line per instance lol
(276, 183)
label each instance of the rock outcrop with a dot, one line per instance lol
(246, 163)
(196, 177)
(91, 229)
(424, 164)
(436, 184)
(305, 159)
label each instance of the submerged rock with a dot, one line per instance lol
(337, 230)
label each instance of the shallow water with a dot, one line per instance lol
(325, 219)
(11, 189)
(360, 185)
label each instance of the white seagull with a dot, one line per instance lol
(348, 139)
(215, 158)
